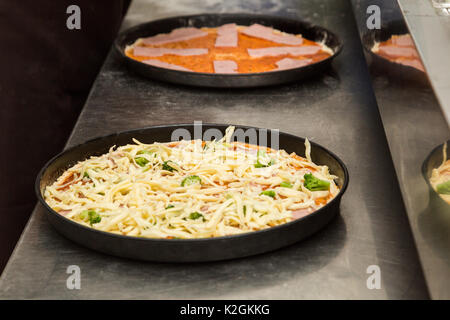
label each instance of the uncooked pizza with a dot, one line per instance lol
(228, 49)
(191, 189)
(399, 49)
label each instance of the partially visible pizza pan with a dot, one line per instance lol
(188, 250)
(383, 65)
(307, 30)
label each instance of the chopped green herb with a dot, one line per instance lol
(167, 167)
(269, 193)
(188, 181)
(245, 210)
(286, 184)
(141, 161)
(263, 160)
(93, 216)
(83, 215)
(170, 206)
(195, 215)
(145, 152)
(86, 175)
(443, 188)
(314, 184)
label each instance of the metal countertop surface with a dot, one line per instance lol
(430, 29)
(337, 110)
(414, 124)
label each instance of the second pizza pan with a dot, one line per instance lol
(385, 66)
(188, 250)
(307, 30)
(433, 161)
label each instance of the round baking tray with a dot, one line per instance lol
(307, 30)
(188, 250)
(433, 161)
(386, 66)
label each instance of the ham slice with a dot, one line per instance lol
(404, 40)
(300, 213)
(288, 63)
(266, 33)
(278, 51)
(64, 212)
(180, 34)
(158, 52)
(227, 36)
(158, 63)
(399, 51)
(225, 66)
(415, 63)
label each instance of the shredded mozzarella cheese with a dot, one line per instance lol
(141, 190)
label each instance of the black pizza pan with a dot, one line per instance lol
(434, 220)
(308, 31)
(188, 250)
(386, 66)
(433, 161)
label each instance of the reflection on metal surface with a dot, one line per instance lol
(383, 65)
(436, 160)
(430, 32)
(338, 111)
(414, 125)
(442, 7)
(441, 3)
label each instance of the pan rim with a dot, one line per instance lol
(193, 240)
(121, 49)
(427, 161)
(387, 28)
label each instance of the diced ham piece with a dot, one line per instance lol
(158, 63)
(278, 51)
(288, 63)
(180, 34)
(227, 36)
(404, 40)
(64, 212)
(300, 213)
(267, 33)
(158, 52)
(225, 66)
(415, 63)
(399, 51)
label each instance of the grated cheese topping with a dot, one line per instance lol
(189, 189)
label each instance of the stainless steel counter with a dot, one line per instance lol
(431, 32)
(337, 110)
(414, 123)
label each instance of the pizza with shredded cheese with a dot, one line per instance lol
(228, 49)
(191, 189)
(440, 177)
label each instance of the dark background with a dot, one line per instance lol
(46, 74)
